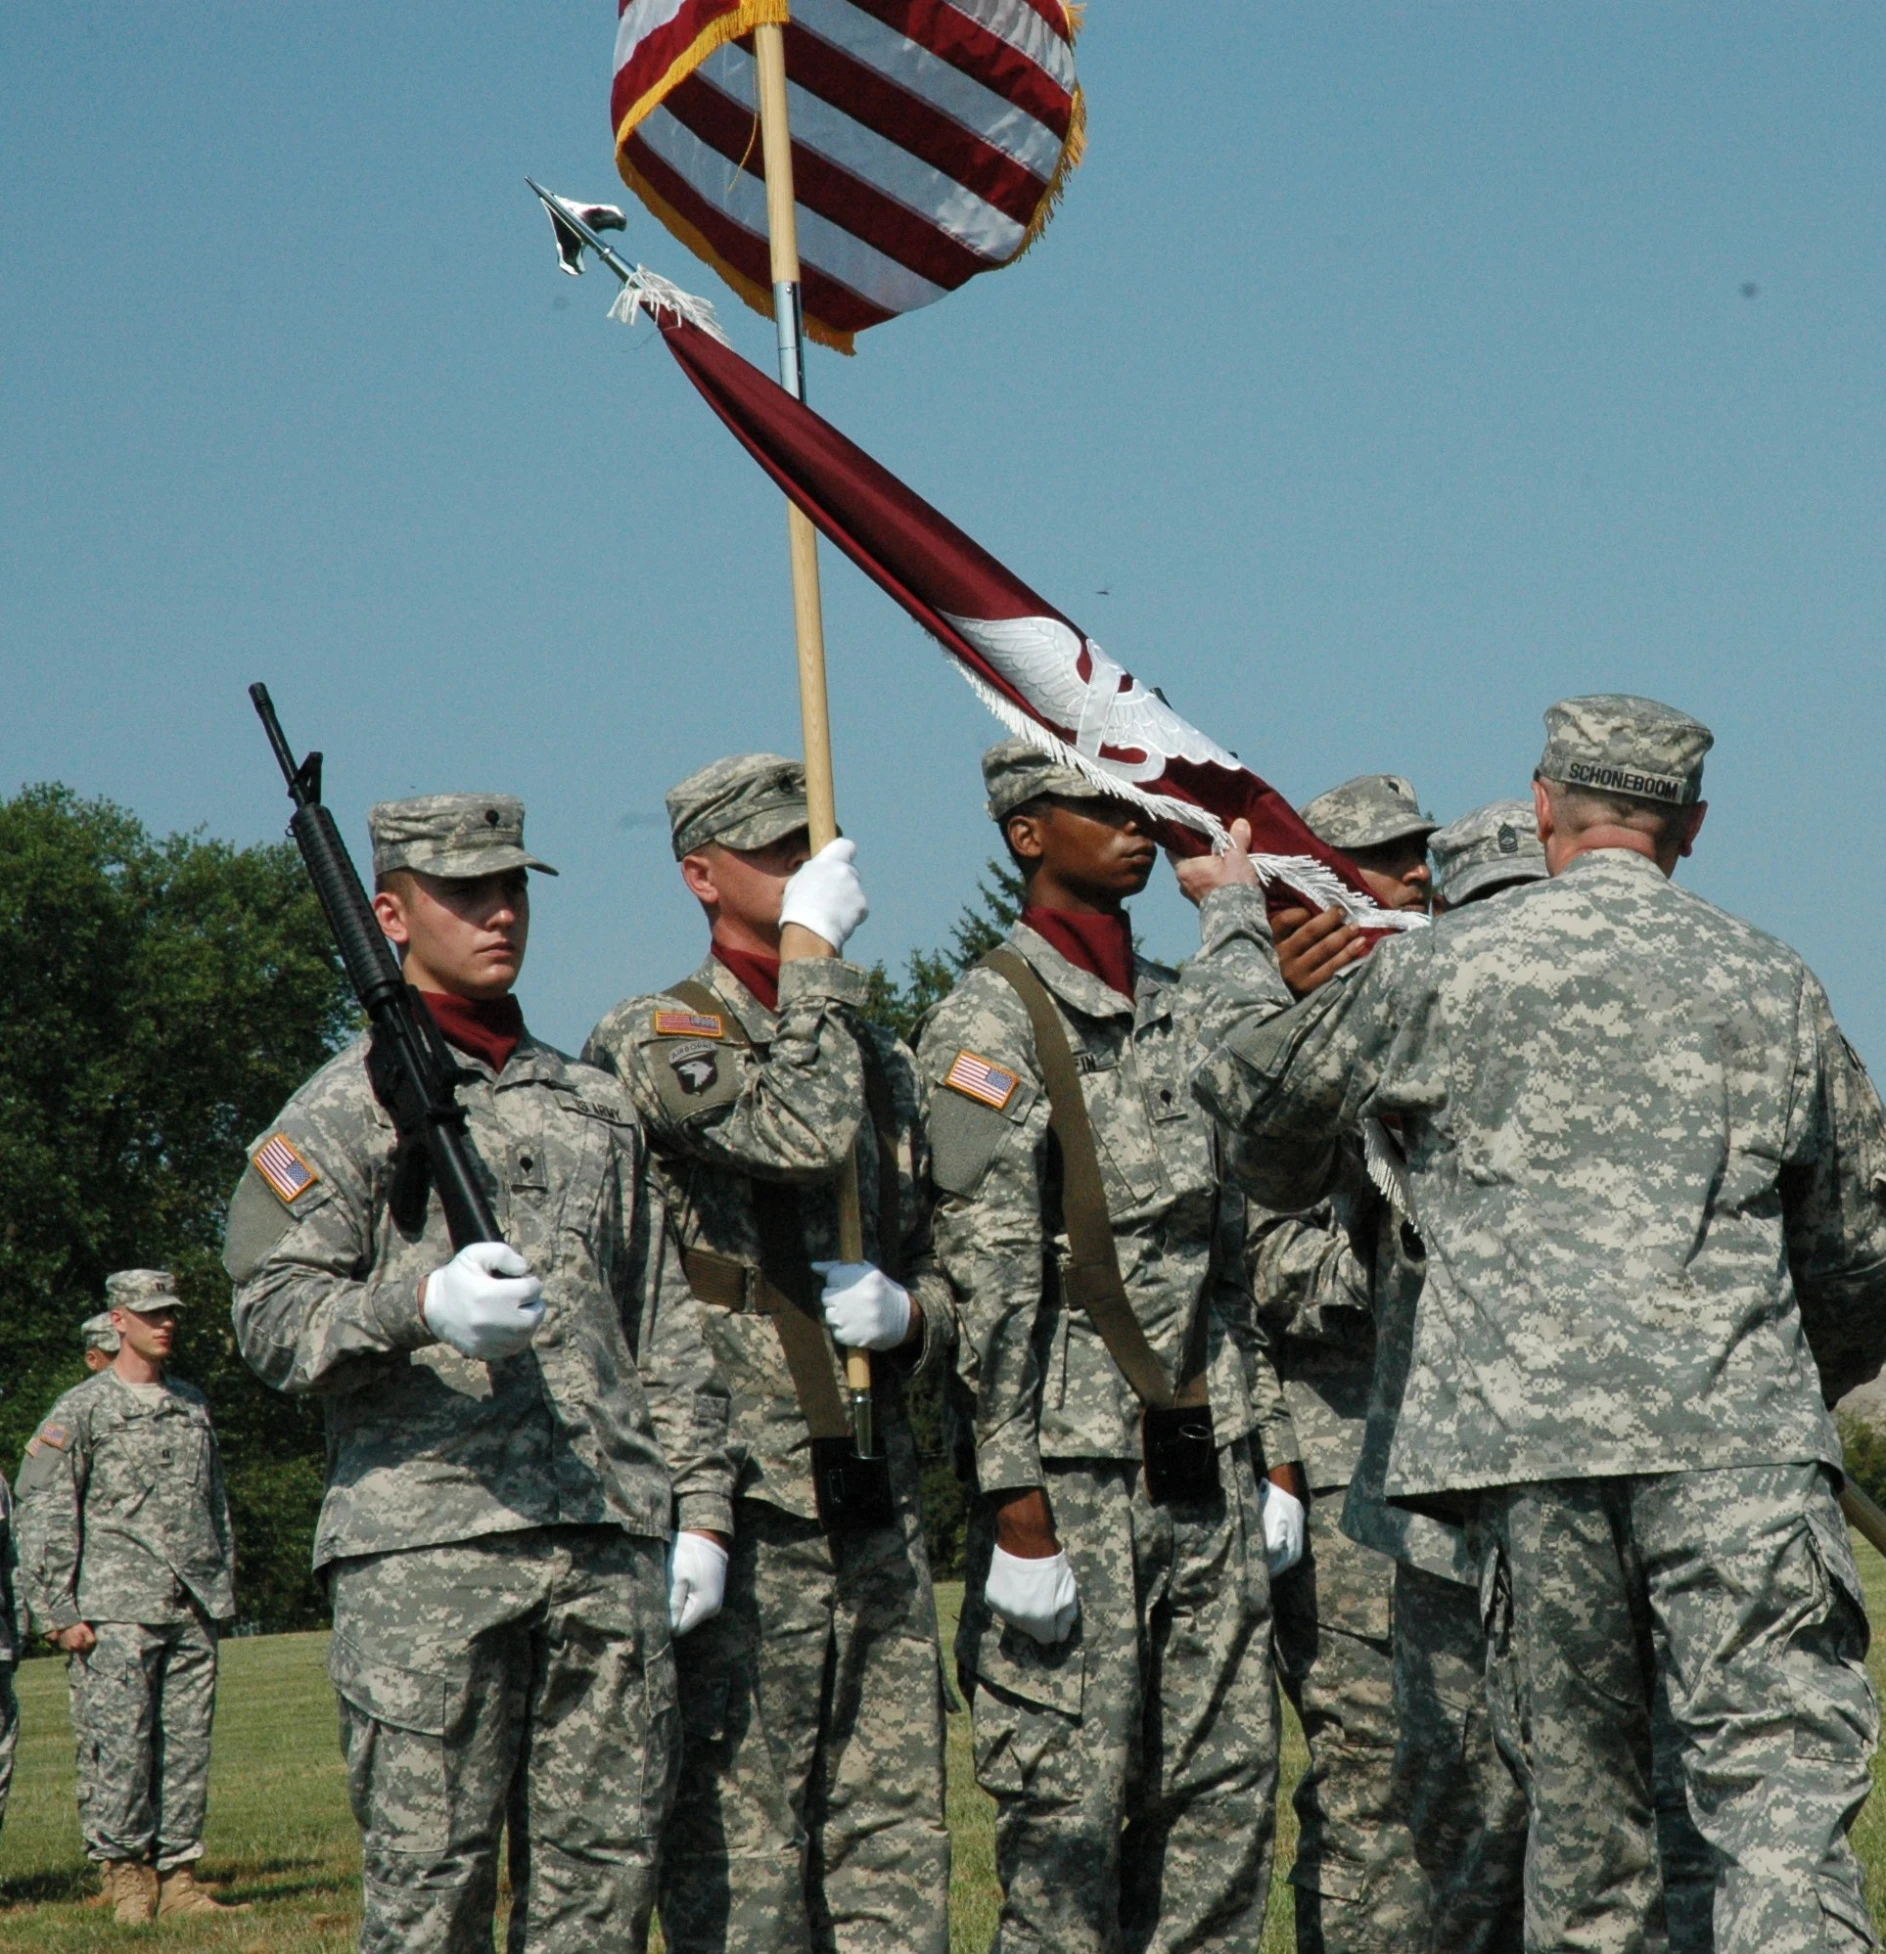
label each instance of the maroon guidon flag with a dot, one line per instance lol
(1041, 675)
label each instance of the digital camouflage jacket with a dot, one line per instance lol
(786, 1109)
(120, 1509)
(614, 1415)
(1046, 1387)
(1649, 1172)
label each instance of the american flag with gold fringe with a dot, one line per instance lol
(930, 141)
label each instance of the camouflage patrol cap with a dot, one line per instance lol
(452, 836)
(1613, 743)
(746, 801)
(100, 1335)
(142, 1290)
(1367, 811)
(1494, 845)
(1015, 773)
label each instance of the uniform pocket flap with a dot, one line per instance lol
(426, 1700)
(1053, 1677)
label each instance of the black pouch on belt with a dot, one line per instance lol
(854, 1494)
(1180, 1452)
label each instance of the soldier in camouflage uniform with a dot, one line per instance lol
(1115, 1649)
(101, 1343)
(1464, 1808)
(513, 1434)
(12, 1642)
(1358, 1885)
(101, 1340)
(1651, 1178)
(810, 1812)
(127, 1562)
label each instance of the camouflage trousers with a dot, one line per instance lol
(1466, 1810)
(521, 1677)
(9, 1734)
(810, 1812)
(1358, 1887)
(1133, 1765)
(143, 1699)
(1735, 1590)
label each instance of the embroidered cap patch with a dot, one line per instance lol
(992, 1084)
(689, 1024)
(285, 1170)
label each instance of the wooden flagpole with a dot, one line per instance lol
(769, 49)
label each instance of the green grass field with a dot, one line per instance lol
(281, 1837)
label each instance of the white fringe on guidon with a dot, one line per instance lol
(647, 291)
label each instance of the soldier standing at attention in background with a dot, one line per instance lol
(101, 1340)
(12, 1642)
(513, 1432)
(1651, 1179)
(811, 1810)
(1115, 1640)
(1358, 1887)
(127, 1563)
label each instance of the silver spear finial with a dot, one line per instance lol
(575, 226)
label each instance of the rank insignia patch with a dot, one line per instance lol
(285, 1170)
(994, 1085)
(697, 1072)
(689, 1024)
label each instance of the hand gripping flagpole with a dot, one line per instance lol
(802, 540)
(575, 226)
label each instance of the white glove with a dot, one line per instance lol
(864, 1308)
(825, 896)
(697, 1581)
(1036, 1596)
(1282, 1517)
(484, 1302)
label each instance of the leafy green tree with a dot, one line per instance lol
(163, 998)
(939, 1412)
(1865, 1446)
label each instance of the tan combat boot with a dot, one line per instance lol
(178, 1892)
(131, 1886)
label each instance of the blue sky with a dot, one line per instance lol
(1390, 369)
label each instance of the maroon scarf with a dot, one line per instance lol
(1101, 945)
(487, 1027)
(757, 971)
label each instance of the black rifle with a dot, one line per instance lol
(413, 1072)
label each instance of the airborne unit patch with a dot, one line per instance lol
(979, 1079)
(696, 1072)
(689, 1024)
(285, 1169)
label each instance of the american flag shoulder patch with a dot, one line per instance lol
(57, 1436)
(993, 1084)
(284, 1167)
(690, 1024)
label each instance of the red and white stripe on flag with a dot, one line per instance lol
(930, 141)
